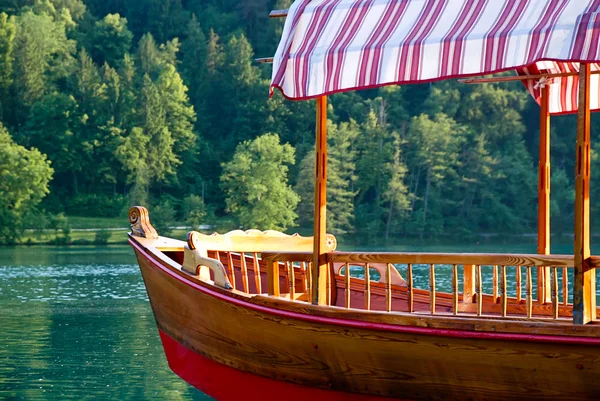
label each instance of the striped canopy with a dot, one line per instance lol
(331, 46)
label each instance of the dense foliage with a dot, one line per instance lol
(24, 176)
(158, 102)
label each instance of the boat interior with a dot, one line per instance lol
(497, 286)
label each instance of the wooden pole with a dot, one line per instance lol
(543, 247)
(319, 266)
(584, 286)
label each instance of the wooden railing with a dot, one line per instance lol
(242, 261)
(502, 285)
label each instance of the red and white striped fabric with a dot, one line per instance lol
(330, 46)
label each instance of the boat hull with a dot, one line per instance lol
(213, 338)
(229, 384)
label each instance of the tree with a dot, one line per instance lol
(194, 210)
(256, 184)
(8, 29)
(478, 174)
(148, 56)
(43, 56)
(24, 177)
(180, 115)
(132, 153)
(193, 65)
(76, 8)
(396, 194)
(436, 141)
(54, 127)
(242, 110)
(341, 165)
(214, 54)
(494, 111)
(374, 148)
(341, 176)
(111, 39)
(163, 217)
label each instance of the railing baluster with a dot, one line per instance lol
(555, 292)
(498, 264)
(244, 273)
(367, 287)
(478, 288)
(329, 284)
(432, 289)
(528, 292)
(231, 269)
(468, 284)
(409, 284)
(218, 257)
(388, 287)
(565, 285)
(518, 284)
(304, 276)
(292, 280)
(495, 283)
(347, 283)
(455, 289)
(310, 280)
(286, 277)
(257, 274)
(273, 277)
(503, 290)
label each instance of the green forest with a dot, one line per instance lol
(109, 103)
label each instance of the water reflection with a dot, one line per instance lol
(76, 324)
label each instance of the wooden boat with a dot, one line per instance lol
(265, 315)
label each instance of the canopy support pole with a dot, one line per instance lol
(584, 291)
(543, 248)
(319, 266)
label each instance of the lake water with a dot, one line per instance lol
(75, 323)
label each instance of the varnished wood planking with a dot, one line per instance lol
(584, 286)
(484, 259)
(479, 290)
(347, 284)
(543, 246)
(259, 241)
(555, 292)
(444, 301)
(432, 289)
(402, 365)
(410, 288)
(423, 297)
(485, 323)
(319, 265)
(454, 289)
(503, 291)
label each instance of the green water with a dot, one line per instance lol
(75, 324)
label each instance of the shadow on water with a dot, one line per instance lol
(76, 324)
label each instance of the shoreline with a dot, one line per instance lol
(117, 236)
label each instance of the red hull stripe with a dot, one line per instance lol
(216, 380)
(371, 325)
